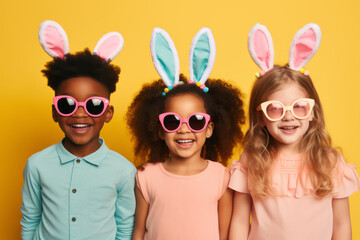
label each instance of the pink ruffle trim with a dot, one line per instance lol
(238, 180)
(347, 182)
(291, 183)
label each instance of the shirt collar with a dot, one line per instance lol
(94, 158)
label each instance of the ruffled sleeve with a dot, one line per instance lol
(225, 181)
(347, 181)
(142, 183)
(239, 179)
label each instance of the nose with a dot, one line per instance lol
(80, 112)
(288, 116)
(184, 128)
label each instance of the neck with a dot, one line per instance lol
(81, 150)
(185, 166)
(288, 149)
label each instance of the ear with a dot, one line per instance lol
(55, 115)
(202, 56)
(109, 113)
(260, 119)
(165, 56)
(53, 39)
(311, 117)
(161, 134)
(260, 46)
(109, 46)
(209, 129)
(304, 45)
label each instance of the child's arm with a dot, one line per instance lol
(142, 208)
(125, 207)
(225, 209)
(341, 215)
(31, 207)
(240, 221)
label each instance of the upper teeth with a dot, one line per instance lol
(288, 128)
(79, 125)
(184, 141)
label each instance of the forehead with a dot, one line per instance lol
(288, 93)
(185, 104)
(82, 87)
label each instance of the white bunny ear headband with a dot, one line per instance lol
(54, 41)
(166, 59)
(303, 47)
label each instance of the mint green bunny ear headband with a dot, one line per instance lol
(166, 59)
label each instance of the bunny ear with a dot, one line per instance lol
(165, 56)
(53, 39)
(202, 55)
(109, 46)
(261, 47)
(304, 45)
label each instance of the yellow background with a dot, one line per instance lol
(26, 123)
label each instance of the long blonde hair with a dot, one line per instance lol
(319, 155)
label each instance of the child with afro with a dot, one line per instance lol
(78, 188)
(183, 139)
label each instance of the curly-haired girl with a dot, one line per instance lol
(183, 139)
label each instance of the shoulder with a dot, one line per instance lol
(217, 166)
(120, 161)
(239, 176)
(347, 180)
(43, 155)
(151, 173)
(239, 164)
(150, 168)
(217, 169)
(37, 161)
(149, 177)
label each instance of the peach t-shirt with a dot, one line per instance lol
(182, 207)
(295, 214)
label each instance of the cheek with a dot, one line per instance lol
(266, 123)
(307, 124)
(99, 122)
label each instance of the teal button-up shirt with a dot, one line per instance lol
(67, 197)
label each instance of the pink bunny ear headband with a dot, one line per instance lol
(54, 41)
(303, 47)
(166, 59)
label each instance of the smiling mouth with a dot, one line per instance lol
(289, 128)
(80, 125)
(184, 141)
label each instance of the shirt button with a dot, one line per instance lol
(74, 190)
(73, 219)
(77, 160)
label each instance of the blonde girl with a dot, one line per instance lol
(290, 179)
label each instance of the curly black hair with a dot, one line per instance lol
(81, 64)
(223, 103)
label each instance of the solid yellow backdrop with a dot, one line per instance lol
(26, 123)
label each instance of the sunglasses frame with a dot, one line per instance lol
(290, 108)
(80, 104)
(181, 121)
